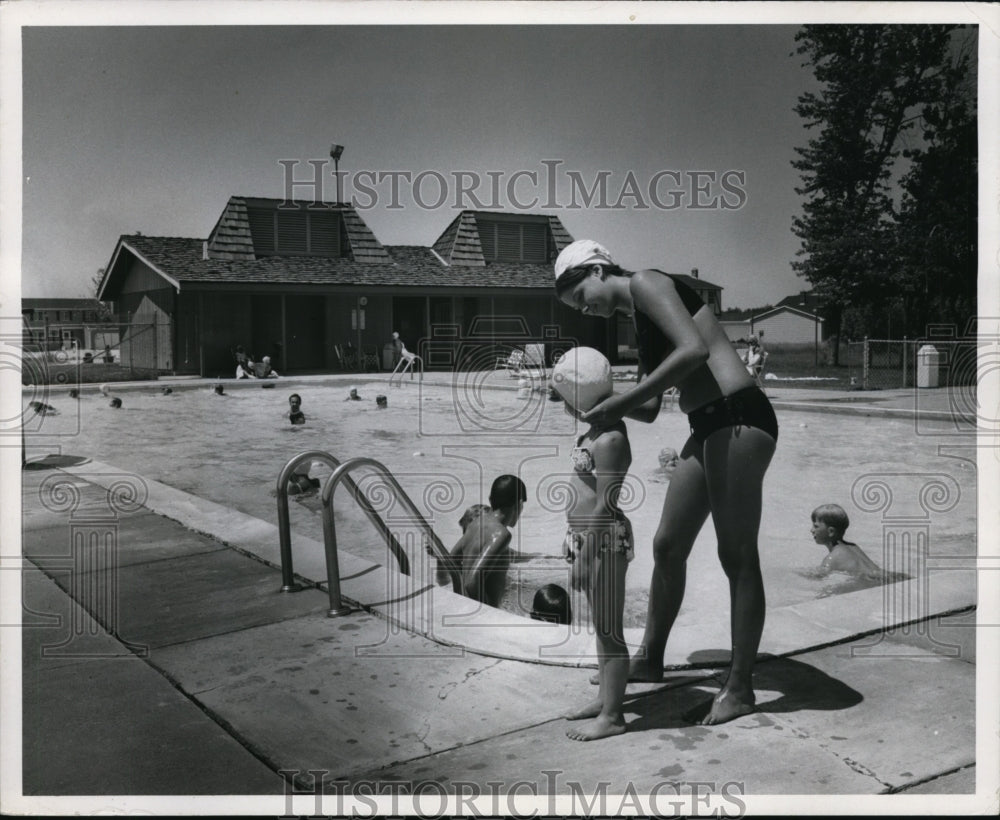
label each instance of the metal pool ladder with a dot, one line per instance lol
(406, 364)
(341, 473)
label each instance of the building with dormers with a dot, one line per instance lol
(310, 285)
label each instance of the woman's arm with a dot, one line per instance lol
(657, 297)
(648, 411)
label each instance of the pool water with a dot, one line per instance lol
(446, 444)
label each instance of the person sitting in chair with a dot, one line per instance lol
(263, 369)
(244, 367)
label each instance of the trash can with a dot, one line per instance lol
(928, 366)
(388, 352)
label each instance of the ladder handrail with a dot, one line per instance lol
(341, 473)
(407, 365)
(288, 583)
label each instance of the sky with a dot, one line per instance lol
(152, 129)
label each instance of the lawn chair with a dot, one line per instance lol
(513, 363)
(348, 357)
(369, 359)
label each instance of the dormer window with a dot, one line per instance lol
(296, 231)
(514, 239)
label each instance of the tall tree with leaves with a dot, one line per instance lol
(876, 80)
(937, 226)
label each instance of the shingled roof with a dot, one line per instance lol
(460, 244)
(181, 260)
(231, 238)
(228, 256)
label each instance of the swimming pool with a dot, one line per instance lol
(446, 443)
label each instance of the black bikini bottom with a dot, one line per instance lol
(746, 408)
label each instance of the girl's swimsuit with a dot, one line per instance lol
(621, 540)
(748, 407)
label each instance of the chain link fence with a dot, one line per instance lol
(882, 364)
(69, 353)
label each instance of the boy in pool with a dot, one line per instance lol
(295, 414)
(551, 604)
(483, 552)
(599, 540)
(829, 523)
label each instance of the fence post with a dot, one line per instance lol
(156, 342)
(864, 365)
(905, 358)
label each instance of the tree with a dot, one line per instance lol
(95, 282)
(937, 225)
(95, 287)
(877, 82)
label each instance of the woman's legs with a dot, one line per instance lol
(735, 461)
(607, 601)
(685, 509)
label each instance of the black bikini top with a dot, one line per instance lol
(653, 345)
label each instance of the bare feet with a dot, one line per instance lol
(600, 727)
(730, 703)
(640, 670)
(592, 709)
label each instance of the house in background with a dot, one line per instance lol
(61, 323)
(307, 283)
(795, 320)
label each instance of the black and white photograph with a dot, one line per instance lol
(482, 409)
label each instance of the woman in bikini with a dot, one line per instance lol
(722, 465)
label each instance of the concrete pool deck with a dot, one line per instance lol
(204, 679)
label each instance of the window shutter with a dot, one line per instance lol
(535, 237)
(488, 239)
(508, 241)
(291, 232)
(324, 234)
(261, 230)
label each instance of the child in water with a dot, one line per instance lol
(483, 552)
(552, 604)
(295, 414)
(829, 523)
(599, 540)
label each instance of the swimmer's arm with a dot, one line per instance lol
(659, 300)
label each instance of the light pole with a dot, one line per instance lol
(336, 152)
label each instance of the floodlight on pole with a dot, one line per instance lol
(336, 152)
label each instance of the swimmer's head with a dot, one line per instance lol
(583, 378)
(508, 493)
(551, 603)
(295, 400)
(830, 521)
(353, 393)
(116, 403)
(669, 458)
(576, 260)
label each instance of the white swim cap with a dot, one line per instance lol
(580, 253)
(583, 378)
